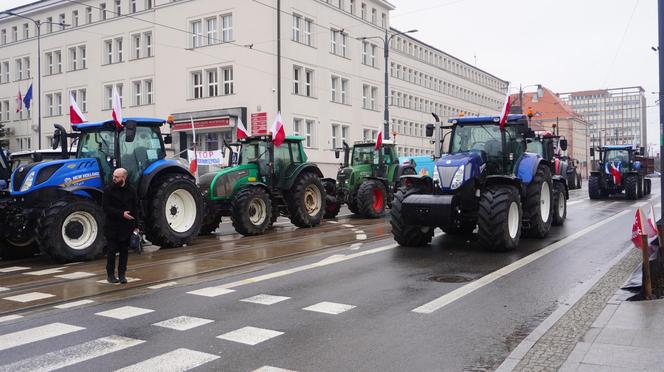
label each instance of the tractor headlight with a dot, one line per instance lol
(457, 180)
(29, 180)
(436, 175)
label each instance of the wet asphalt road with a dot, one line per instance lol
(378, 331)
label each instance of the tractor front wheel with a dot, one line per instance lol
(405, 234)
(631, 191)
(559, 205)
(306, 201)
(538, 206)
(594, 191)
(499, 218)
(71, 230)
(251, 211)
(212, 217)
(371, 198)
(175, 213)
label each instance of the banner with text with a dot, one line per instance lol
(207, 157)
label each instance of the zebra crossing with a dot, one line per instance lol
(177, 359)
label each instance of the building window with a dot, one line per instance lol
(333, 41)
(108, 51)
(136, 46)
(118, 8)
(374, 93)
(102, 11)
(49, 104)
(142, 92)
(108, 95)
(3, 37)
(334, 87)
(4, 115)
(74, 18)
(197, 83)
(61, 21)
(212, 31)
(81, 98)
(345, 131)
(309, 134)
(344, 91)
(363, 13)
(228, 80)
(197, 37)
(374, 16)
(147, 40)
(335, 136)
(147, 87)
(227, 28)
(15, 33)
(118, 49)
(137, 93)
(73, 59)
(303, 81)
(5, 68)
(297, 75)
(297, 20)
(19, 70)
(88, 15)
(365, 96)
(26, 31)
(383, 20)
(132, 6)
(213, 82)
(297, 127)
(352, 7)
(58, 103)
(57, 56)
(148, 4)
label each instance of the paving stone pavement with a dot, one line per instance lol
(554, 347)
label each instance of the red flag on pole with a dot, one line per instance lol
(651, 226)
(193, 166)
(75, 114)
(19, 101)
(278, 132)
(117, 108)
(379, 140)
(638, 228)
(506, 110)
(241, 130)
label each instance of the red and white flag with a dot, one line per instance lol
(75, 114)
(379, 140)
(193, 166)
(506, 110)
(278, 132)
(638, 228)
(19, 101)
(651, 225)
(241, 130)
(117, 108)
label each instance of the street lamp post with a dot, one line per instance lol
(386, 53)
(38, 25)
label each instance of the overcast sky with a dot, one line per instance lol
(565, 45)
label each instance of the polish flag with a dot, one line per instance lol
(117, 108)
(278, 132)
(19, 101)
(651, 225)
(193, 166)
(241, 130)
(638, 228)
(506, 110)
(379, 140)
(75, 114)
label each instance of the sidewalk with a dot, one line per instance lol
(627, 336)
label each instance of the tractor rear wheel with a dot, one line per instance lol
(631, 188)
(371, 198)
(648, 186)
(594, 191)
(212, 217)
(639, 187)
(559, 204)
(578, 180)
(306, 200)
(538, 206)
(407, 235)
(251, 211)
(175, 213)
(71, 230)
(499, 218)
(332, 204)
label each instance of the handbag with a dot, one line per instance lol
(135, 243)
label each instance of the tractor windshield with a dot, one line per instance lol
(535, 146)
(146, 148)
(476, 138)
(99, 145)
(363, 155)
(621, 156)
(252, 152)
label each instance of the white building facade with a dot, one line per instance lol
(218, 62)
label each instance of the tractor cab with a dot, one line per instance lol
(378, 163)
(271, 161)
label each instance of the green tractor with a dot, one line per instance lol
(367, 182)
(267, 182)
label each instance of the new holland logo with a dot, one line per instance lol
(67, 181)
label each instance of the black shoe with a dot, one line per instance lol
(112, 279)
(123, 280)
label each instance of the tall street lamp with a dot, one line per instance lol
(386, 52)
(38, 25)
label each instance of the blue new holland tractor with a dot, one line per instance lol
(487, 180)
(56, 205)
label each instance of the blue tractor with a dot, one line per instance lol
(56, 205)
(487, 180)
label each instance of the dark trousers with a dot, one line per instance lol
(114, 246)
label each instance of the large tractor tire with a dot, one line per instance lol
(499, 218)
(647, 186)
(71, 230)
(594, 191)
(251, 211)
(306, 201)
(175, 211)
(559, 204)
(14, 243)
(405, 234)
(538, 207)
(631, 192)
(579, 180)
(571, 180)
(639, 187)
(371, 198)
(352, 204)
(332, 204)
(212, 217)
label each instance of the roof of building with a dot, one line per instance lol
(550, 106)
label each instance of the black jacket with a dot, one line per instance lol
(116, 201)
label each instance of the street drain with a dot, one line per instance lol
(450, 279)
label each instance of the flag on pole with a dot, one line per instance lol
(506, 110)
(651, 225)
(28, 98)
(379, 140)
(241, 130)
(278, 132)
(638, 228)
(75, 114)
(614, 170)
(19, 101)
(117, 108)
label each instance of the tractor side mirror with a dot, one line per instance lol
(563, 144)
(168, 139)
(592, 152)
(57, 135)
(429, 130)
(130, 131)
(336, 153)
(37, 157)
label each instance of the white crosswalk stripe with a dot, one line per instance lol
(27, 336)
(11, 269)
(69, 305)
(174, 361)
(211, 291)
(183, 323)
(272, 369)
(7, 318)
(329, 308)
(124, 312)
(163, 285)
(72, 355)
(75, 275)
(29, 297)
(264, 299)
(250, 335)
(55, 270)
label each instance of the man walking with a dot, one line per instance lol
(121, 207)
